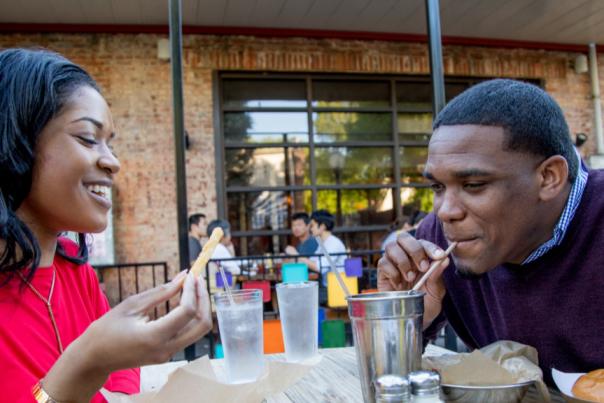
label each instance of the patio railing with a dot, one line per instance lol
(121, 280)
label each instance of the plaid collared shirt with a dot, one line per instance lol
(574, 198)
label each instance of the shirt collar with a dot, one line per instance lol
(574, 198)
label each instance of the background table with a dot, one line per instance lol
(335, 379)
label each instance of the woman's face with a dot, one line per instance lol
(74, 168)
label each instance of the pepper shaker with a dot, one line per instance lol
(425, 387)
(392, 389)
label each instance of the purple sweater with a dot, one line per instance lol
(555, 304)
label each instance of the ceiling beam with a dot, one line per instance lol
(288, 33)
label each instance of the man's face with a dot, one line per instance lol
(202, 227)
(315, 228)
(199, 229)
(486, 198)
(299, 228)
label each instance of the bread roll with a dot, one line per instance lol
(590, 386)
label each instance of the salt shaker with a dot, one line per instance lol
(392, 389)
(425, 387)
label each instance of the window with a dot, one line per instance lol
(354, 145)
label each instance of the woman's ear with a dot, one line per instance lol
(553, 176)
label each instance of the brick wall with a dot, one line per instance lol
(137, 86)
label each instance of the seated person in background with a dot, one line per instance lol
(307, 245)
(225, 249)
(197, 231)
(409, 226)
(526, 214)
(321, 224)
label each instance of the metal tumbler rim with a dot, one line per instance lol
(385, 295)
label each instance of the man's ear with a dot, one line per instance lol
(553, 176)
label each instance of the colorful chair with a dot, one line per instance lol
(321, 320)
(262, 285)
(334, 333)
(353, 267)
(273, 336)
(294, 272)
(335, 294)
(370, 291)
(218, 351)
(220, 283)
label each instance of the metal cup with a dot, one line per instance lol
(387, 330)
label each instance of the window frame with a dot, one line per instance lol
(395, 143)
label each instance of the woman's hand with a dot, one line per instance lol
(125, 337)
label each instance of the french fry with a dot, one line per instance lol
(207, 251)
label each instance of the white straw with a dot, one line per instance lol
(227, 288)
(333, 267)
(433, 267)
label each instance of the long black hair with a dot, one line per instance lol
(34, 86)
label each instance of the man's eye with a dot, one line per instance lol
(437, 187)
(474, 185)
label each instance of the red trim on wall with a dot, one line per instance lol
(288, 33)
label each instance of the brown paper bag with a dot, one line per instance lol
(198, 381)
(501, 363)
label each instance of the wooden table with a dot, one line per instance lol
(334, 380)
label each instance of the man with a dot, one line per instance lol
(197, 230)
(321, 225)
(307, 245)
(225, 248)
(509, 188)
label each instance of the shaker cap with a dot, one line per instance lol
(392, 385)
(424, 383)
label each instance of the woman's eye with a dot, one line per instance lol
(87, 140)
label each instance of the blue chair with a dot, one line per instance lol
(218, 351)
(321, 320)
(294, 272)
(219, 282)
(354, 267)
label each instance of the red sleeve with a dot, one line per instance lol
(125, 381)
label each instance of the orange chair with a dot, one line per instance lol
(273, 337)
(370, 291)
(263, 285)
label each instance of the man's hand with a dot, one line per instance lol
(290, 250)
(403, 264)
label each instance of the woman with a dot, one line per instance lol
(58, 338)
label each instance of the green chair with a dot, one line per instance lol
(333, 333)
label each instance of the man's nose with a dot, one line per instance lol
(449, 207)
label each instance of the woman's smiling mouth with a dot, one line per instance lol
(100, 193)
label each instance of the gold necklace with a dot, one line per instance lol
(47, 303)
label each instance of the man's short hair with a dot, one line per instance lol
(531, 119)
(301, 216)
(224, 224)
(195, 218)
(323, 217)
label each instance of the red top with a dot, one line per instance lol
(28, 346)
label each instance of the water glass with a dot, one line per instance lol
(299, 311)
(240, 326)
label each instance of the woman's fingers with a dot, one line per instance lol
(203, 300)
(149, 299)
(200, 322)
(169, 325)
